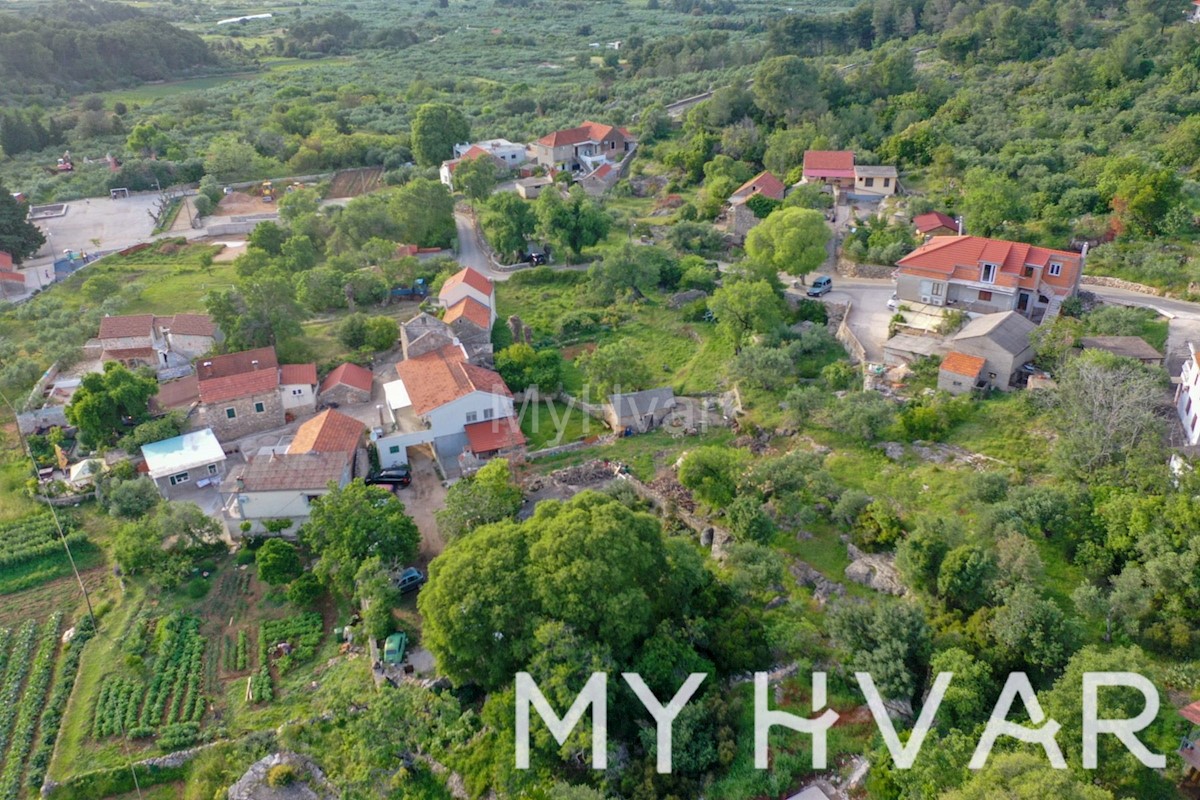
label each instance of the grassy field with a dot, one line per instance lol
(551, 423)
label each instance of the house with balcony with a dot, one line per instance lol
(1187, 397)
(433, 402)
(989, 276)
(583, 149)
(833, 168)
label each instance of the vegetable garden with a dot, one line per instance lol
(172, 704)
(301, 634)
(31, 552)
(33, 695)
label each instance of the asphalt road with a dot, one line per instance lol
(869, 314)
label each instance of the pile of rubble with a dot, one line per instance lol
(672, 491)
(588, 474)
(937, 453)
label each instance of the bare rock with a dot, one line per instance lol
(893, 450)
(875, 570)
(823, 588)
(683, 298)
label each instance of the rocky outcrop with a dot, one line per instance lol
(823, 588)
(876, 571)
(311, 783)
(683, 298)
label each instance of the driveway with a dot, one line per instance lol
(869, 314)
(424, 496)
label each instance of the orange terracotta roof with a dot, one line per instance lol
(933, 220)
(963, 364)
(587, 132)
(231, 387)
(351, 375)
(127, 326)
(176, 394)
(442, 376)
(298, 375)
(942, 254)
(188, 324)
(494, 434)
(764, 183)
(829, 163)
(604, 170)
(237, 363)
(11, 277)
(1192, 712)
(471, 310)
(6, 261)
(328, 432)
(476, 280)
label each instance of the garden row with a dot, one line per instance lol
(29, 710)
(295, 639)
(32, 538)
(173, 703)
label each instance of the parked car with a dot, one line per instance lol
(893, 302)
(392, 476)
(394, 647)
(410, 580)
(822, 285)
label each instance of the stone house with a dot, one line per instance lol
(582, 149)
(959, 373)
(247, 392)
(639, 411)
(1002, 341)
(189, 335)
(132, 341)
(347, 384)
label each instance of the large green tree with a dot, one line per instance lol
(353, 523)
(107, 404)
(278, 562)
(507, 222)
(574, 223)
(423, 212)
(791, 240)
(476, 177)
(785, 87)
(19, 237)
(490, 495)
(615, 367)
(744, 307)
(436, 128)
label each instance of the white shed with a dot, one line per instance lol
(193, 458)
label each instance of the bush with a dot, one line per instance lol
(203, 205)
(282, 775)
(304, 591)
(197, 588)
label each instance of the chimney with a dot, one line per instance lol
(960, 226)
(254, 364)
(1083, 251)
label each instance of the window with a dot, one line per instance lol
(887, 182)
(937, 289)
(1027, 272)
(259, 408)
(231, 413)
(1055, 268)
(309, 498)
(984, 296)
(182, 477)
(993, 375)
(487, 413)
(1194, 422)
(394, 449)
(472, 416)
(869, 181)
(212, 469)
(989, 273)
(1188, 410)
(297, 392)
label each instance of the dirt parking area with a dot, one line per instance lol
(424, 496)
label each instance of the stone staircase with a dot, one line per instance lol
(1053, 310)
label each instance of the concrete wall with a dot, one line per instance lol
(846, 336)
(399, 443)
(345, 395)
(954, 383)
(306, 399)
(1000, 362)
(246, 421)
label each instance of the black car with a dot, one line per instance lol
(392, 476)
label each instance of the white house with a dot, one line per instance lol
(436, 397)
(1187, 397)
(193, 459)
(282, 486)
(298, 386)
(508, 153)
(467, 283)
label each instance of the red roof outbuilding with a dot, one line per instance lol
(494, 434)
(828, 164)
(931, 221)
(351, 375)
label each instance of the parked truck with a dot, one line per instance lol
(419, 289)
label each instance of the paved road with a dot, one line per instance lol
(869, 314)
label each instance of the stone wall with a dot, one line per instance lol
(846, 336)
(247, 420)
(851, 269)
(1117, 283)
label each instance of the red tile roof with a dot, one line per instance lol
(604, 170)
(328, 432)
(494, 434)
(471, 310)
(6, 260)
(127, 326)
(126, 353)
(237, 363)
(942, 254)
(188, 324)
(12, 277)
(963, 364)
(764, 183)
(231, 387)
(933, 220)
(476, 280)
(176, 394)
(442, 376)
(351, 375)
(587, 132)
(829, 163)
(287, 472)
(298, 375)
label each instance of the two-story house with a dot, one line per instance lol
(436, 398)
(831, 167)
(282, 486)
(468, 284)
(189, 335)
(583, 149)
(247, 392)
(988, 276)
(144, 340)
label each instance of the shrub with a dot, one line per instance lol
(282, 775)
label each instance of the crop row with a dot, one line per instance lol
(31, 539)
(261, 690)
(302, 632)
(178, 668)
(242, 659)
(20, 659)
(56, 705)
(117, 707)
(33, 702)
